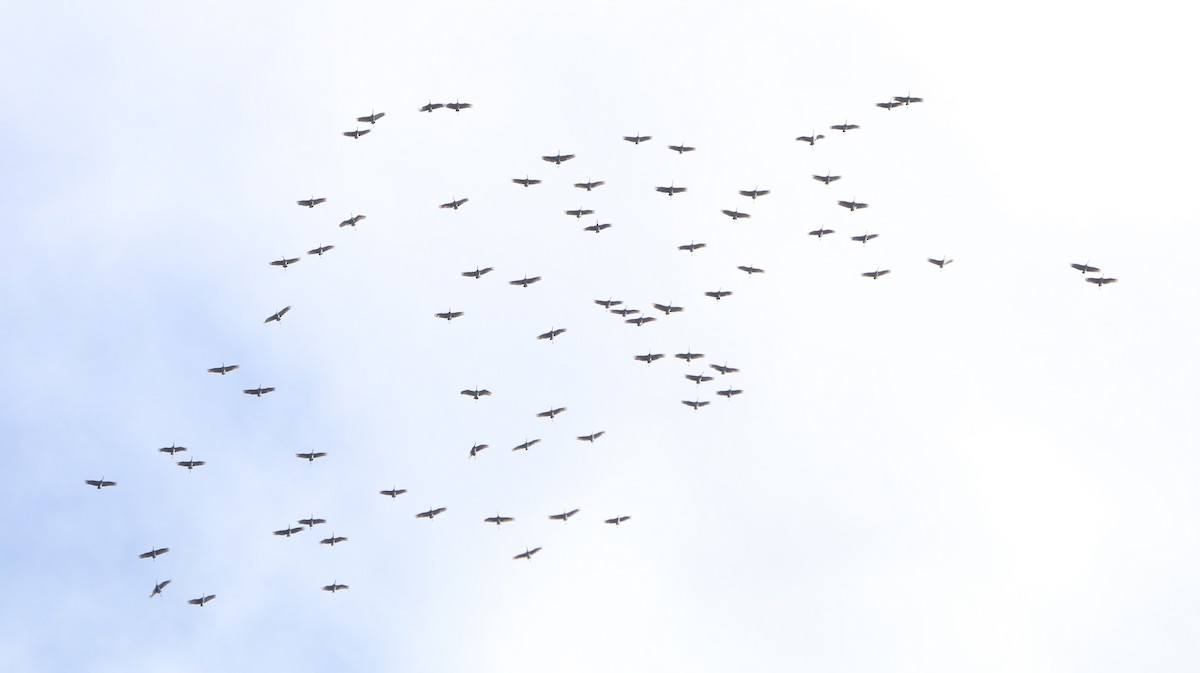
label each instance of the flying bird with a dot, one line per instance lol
(693, 246)
(525, 445)
(638, 139)
(616, 521)
(844, 127)
(827, 178)
(310, 521)
(99, 483)
(874, 275)
(223, 369)
(735, 214)
(852, 205)
(557, 159)
(670, 191)
(259, 391)
(689, 356)
(590, 185)
(202, 600)
(580, 212)
(309, 203)
(811, 139)
(335, 587)
(552, 333)
(681, 148)
(449, 315)
(372, 118)
(158, 588)
(526, 281)
(1085, 268)
(278, 315)
(820, 232)
(754, 193)
(590, 438)
(526, 181)
(393, 492)
(458, 107)
(528, 553)
(311, 455)
(352, 221)
(498, 519)
(669, 309)
(698, 378)
(608, 303)
(597, 227)
(477, 273)
(476, 393)
(889, 105)
(285, 262)
(334, 539)
(641, 320)
(155, 553)
(648, 357)
(430, 513)
(695, 405)
(940, 263)
(1101, 281)
(477, 448)
(454, 204)
(190, 463)
(725, 368)
(907, 99)
(729, 393)
(356, 133)
(172, 449)
(624, 311)
(751, 269)
(564, 516)
(431, 106)
(551, 412)
(321, 250)
(864, 238)
(718, 294)
(288, 532)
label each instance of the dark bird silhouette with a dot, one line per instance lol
(811, 139)
(310, 521)
(309, 203)
(285, 262)
(597, 227)
(852, 205)
(624, 311)
(334, 539)
(477, 448)
(641, 320)
(648, 357)
(689, 356)
(551, 412)
(729, 393)
(526, 181)
(907, 99)
(498, 519)
(697, 378)
(356, 133)
(259, 391)
(202, 600)
(638, 139)
(888, 105)
(372, 118)
(223, 369)
(616, 521)
(668, 309)
(335, 587)
(311, 455)
(528, 553)
(155, 553)
(874, 275)
(754, 193)
(551, 334)
(431, 106)
(158, 588)
(393, 492)
(477, 273)
(172, 449)
(590, 438)
(1101, 281)
(454, 204)
(278, 315)
(693, 247)
(827, 178)
(725, 368)
(321, 250)
(580, 212)
(564, 516)
(458, 107)
(751, 269)
(864, 238)
(608, 303)
(718, 295)
(557, 159)
(696, 404)
(288, 532)
(681, 148)
(590, 185)
(526, 281)
(820, 232)
(670, 191)
(99, 483)
(476, 393)
(735, 214)
(430, 513)
(449, 315)
(844, 127)
(524, 446)
(190, 463)
(940, 263)
(1085, 268)
(352, 221)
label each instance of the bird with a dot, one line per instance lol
(99, 483)
(528, 553)
(551, 412)
(843, 127)
(608, 303)
(258, 392)
(557, 159)
(552, 333)
(889, 105)
(458, 107)
(223, 369)
(941, 263)
(431, 106)
(172, 449)
(334, 539)
(526, 281)
(311, 455)
(827, 178)
(811, 139)
(310, 521)
(590, 185)
(696, 404)
(820, 232)
(477, 448)
(874, 275)
(693, 246)
(430, 513)
(670, 191)
(1101, 281)
(155, 553)
(285, 262)
(907, 99)
(689, 356)
(524, 446)
(356, 133)
(288, 532)
(476, 393)
(729, 393)
(579, 212)
(852, 205)
(648, 357)
(754, 193)
(725, 368)
(309, 203)
(158, 588)
(641, 320)
(498, 519)
(393, 492)
(735, 214)
(372, 118)
(638, 139)
(190, 463)
(751, 269)
(681, 148)
(590, 438)
(597, 227)
(526, 181)
(352, 221)
(698, 378)
(335, 587)
(453, 204)
(718, 294)
(668, 309)
(449, 315)
(202, 600)
(864, 238)
(624, 311)
(1085, 268)
(564, 516)
(320, 250)
(278, 315)
(616, 521)
(477, 273)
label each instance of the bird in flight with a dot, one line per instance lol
(372, 118)
(852, 205)
(589, 185)
(431, 106)
(1085, 268)
(310, 521)
(552, 333)
(498, 519)
(670, 191)
(725, 368)
(352, 221)
(1101, 281)
(259, 391)
(551, 412)
(155, 553)
(278, 315)
(820, 232)
(843, 127)
(590, 438)
(311, 455)
(751, 269)
(285, 261)
(172, 449)
(334, 539)
(526, 181)
(669, 309)
(693, 246)
(689, 356)
(477, 273)
(681, 148)
(309, 203)
(526, 281)
(564, 516)
(616, 521)
(608, 303)
(907, 99)
(638, 139)
(477, 448)
(430, 513)
(719, 294)
(696, 404)
(191, 463)
(597, 227)
(580, 212)
(288, 532)
(735, 214)
(356, 133)
(528, 553)
(874, 275)
(648, 357)
(223, 369)
(158, 588)
(202, 600)
(335, 587)
(754, 193)
(641, 320)
(525, 445)
(940, 263)
(449, 315)
(458, 107)
(624, 311)
(827, 178)
(698, 378)
(729, 393)
(557, 159)
(99, 483)
(320, 250)
(811, 139)
(477, 393)
(453, 204)
(864, 238)
(889, 104)
(393, 492)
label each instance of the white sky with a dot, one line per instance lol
(987, 468)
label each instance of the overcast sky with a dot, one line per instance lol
(988, 467)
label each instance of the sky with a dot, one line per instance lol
(988, 466)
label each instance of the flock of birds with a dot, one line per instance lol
(617, 307)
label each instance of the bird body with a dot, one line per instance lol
(453, 204)
(648, 357)
(579, 212)
(689, 356)
(528, 553)
(320, 250)
(172, 449)
(476, 393)
(864, 238)
(99, 483)
(191, 463)
(352, 221)
(698, 378)
(498, 519)
(589, 185)
(477, 448)
(202, 600)
(751, 269)
(616, 521)
(874, 275)
(889, 105)
(449, 315)
(372, 118)
(725, 368)
(552, 412)
(695, 405)
(638, 139)
(811, 139)
(356, 133)
(852, 205)
(526, 181)
(430, 513)
(288, 532)
(311, 455)
(608, 303)
(590, 438)
(827, 178)
(735, 215)
(155, 553)
(820, 232)
(719, 294)
(669, 309)
(458, 107)
(1085, 268)
(259, 391)
(624, 311)
(551, 334)
(1101, 281)
(334, 539)
(310, 521)
(158, 588)
(729, 393)
(681, 148)
(335, 587)
(477, 273)
(670, 191)
(223, 369)
(285, 262)
(844, 127)
(641, 320)
(431, 106)
(693, 247)
(309, 203)
(564, 516)
(525, 445)
(278, 315)
(754, 193)
(597, 227)
(557, 159)
(907, 99)
(526, 281)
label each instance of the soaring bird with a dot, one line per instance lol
(285, 261)
(843, 127)
(393, 492)
(172, 449)
(431, 106)
(335, 587)
(907, 99)
(669, 309)
(278, 315)
(608, 303)
(698, 378)
(190, 463)
(320, 250)
(874, 275)
(641, 320)
(729, 393)
(310, 521)
(551, 412)
(616, 521)
(356, 133)
(590, 438)
(99, 483)
(311, 455)
(552, 333)
(811, 139)
(259, 391)
(827, 178)
(597, 227)
(1101, 281)
(557, 159)
(526, 281)
(670, 191)
(352, 221)
(334, 539)
(589, 185)
(940, 263)
(689, 356)
(648, 357)
(372, 118)
(448, 315)
(820, 232)
(458, 107)
(288, 532)
(1085, 268)
(564, 516)
(480, 392)
(155, 553)
(754, 193)
(309, 203)
(681, 148)
(477, 448)
(852, 205)
(579, 212)
(751, 269)
(864, 238)
(735, 214)
(696, 404)
(202, 600)
(498, 519)
(526, 181)
(223, 369)
(725, 368)
(158, 588)
(453, 204)
(477, 273)
(693, 246)
(524, 446)
(718, 294)
(889, 105)
(430, 513)
(528, 553)
(638, 139)
(624, 311)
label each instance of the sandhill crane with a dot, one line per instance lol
(693, 246)
(843, 127)
(458, 107)
(202, 600)
(638, 139)
(526, 281)
(908, 99)
(940, 263)
(1085, 268)
(557, 159)
(827, 178)
(334, 539)
(1101, 281)
(608, 303)
(580, 212)
(311, 455)
(393, 492)
(874, 275)
(725, 368)
(172, 449)
(648, 357)
(735, 215)
(278, 315)
(668, 309)
(99, 483)
(641, 320)
(335, 587)
(352, 221)
(285, 262)
(431, 106)
(597, 227)
(852, 205)
(309, 203)
(697, 378)
(820, 232)
(158, 588)
(477, 393)
(729, 393)
(310, 521)
(190, 463)
(453, 204)
(526, 181)
(372, 118)
(448, 315)
(320, 250)
(259, 391)
(617, 520)
(564, 516)
(670, 191)
(695, 405)
(498, 519)
(589, 185)
(154, 553)
(527, 554)
(477, 448)
(689, 356)
(430, 513)
(356, 133)
(754, 193)
(681, 148)
(590, 438)
(719, 294)
(551, 412)
(624, 311)
(524, 446)
(811, 139)
(888, 105)
(477, 273)
(223, 369)
(751, 270)
(551, 334)
(288, 532)
(864, 238)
